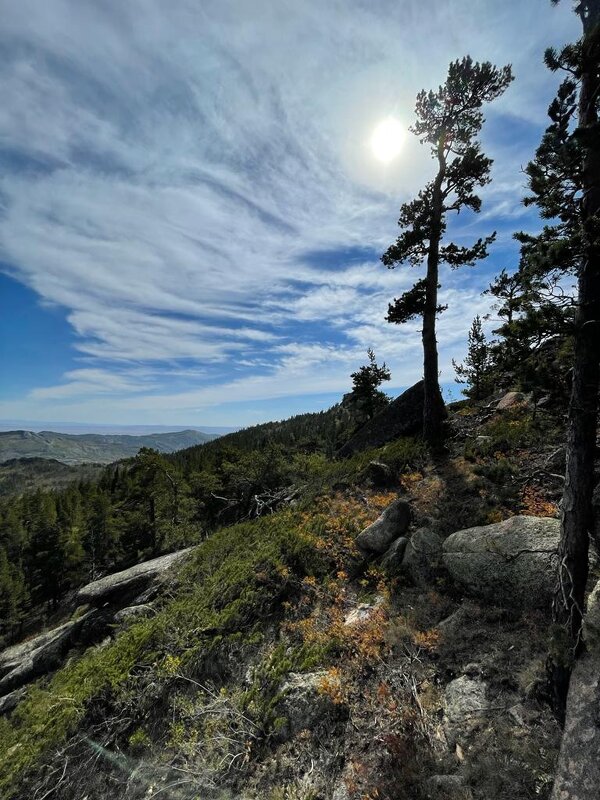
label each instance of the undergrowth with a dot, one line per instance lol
(234, 583)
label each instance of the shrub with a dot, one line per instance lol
(231, 582)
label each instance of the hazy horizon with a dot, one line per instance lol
(82, 428)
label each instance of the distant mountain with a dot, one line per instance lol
(106, 428)
(92, 448)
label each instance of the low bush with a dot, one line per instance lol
(234, 586)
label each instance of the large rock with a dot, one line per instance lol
(389, 526)
(378, 474)
(578, 770)
(23, 662)
(130, 580)
(509, 563)
(402, 417)
(510, 400)
(465, 708)
(422, 556)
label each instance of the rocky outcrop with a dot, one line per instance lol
(422, 556)
(11, 700)
(510, 400)
(129, 581)
(578, 770)
(402, 417)
(509, 563)
(389, 526)
(22, 663)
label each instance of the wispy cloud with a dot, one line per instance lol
(170, 174)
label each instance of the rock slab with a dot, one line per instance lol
(128, 580)
(509, 563)
(402, 417)
(24, 662)
(10, 701)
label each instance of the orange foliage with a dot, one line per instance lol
(409, 480)
(331, 685)
(427, 640)
(535, 504)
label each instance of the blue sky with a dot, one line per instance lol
(190, 214)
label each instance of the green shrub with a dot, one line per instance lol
(512, 430)
(139, 740)
(230, 584)
(499, 471)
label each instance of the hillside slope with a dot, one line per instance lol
(92, 447)
(285, 661)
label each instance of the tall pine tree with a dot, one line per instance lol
(448, 120)
(565, 183)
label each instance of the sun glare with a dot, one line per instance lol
(387, 140)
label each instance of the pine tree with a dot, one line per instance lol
(475, 371)
(45, 554)
(448, 120)
(534, 344)
(365, 386)
(564, 180)
(13, 594)
(101, 538)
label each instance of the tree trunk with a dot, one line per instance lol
(577, 508)
(434, 410)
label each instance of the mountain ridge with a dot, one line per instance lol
(86, 448)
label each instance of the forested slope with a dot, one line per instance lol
(283, 644)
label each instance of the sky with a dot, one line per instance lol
(191, 215)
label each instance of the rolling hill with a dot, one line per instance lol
(92, 447)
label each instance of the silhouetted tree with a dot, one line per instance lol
(448, 120)
(365, 385)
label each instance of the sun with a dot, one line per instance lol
(387, 139)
